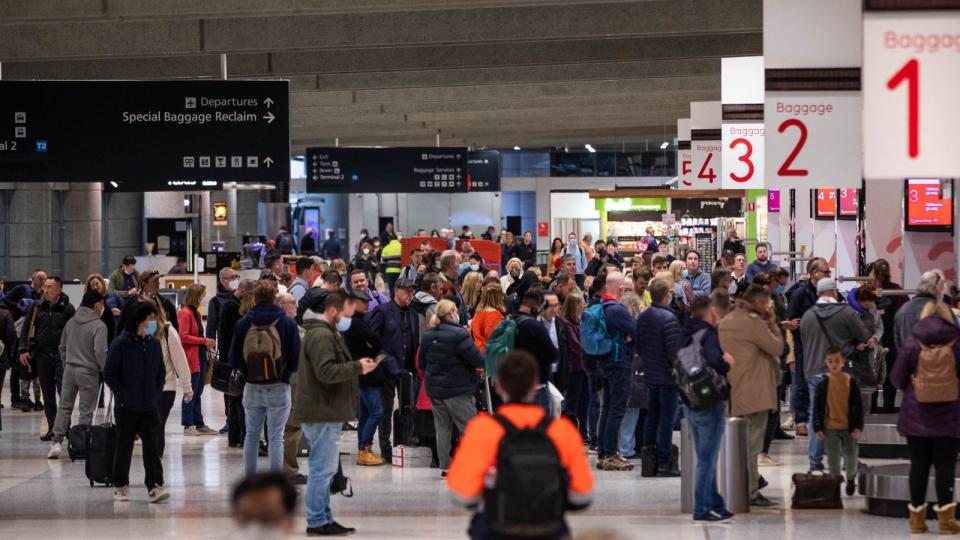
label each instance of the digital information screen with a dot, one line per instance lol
(929, 204)
(826, 203)
(849, 204)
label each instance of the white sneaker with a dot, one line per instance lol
(121, 494)
(764, 460)
(191, 432)
(158, 494)
(55, 450)
(789, 425)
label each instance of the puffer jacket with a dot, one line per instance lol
(658, 339)
(135, 372)
(50, 321)
(925, 419)
(450, 361)
(174, 361)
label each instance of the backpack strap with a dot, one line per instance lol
(506, 424)
(544, 424)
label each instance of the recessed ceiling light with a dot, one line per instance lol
(590, 148)
(516, 148)
(664, 145)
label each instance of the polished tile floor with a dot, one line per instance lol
(51, 499)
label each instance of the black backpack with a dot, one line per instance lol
(700, 386)
(530, 493)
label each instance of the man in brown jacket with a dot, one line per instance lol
(750, 334)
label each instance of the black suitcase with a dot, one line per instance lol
(77, 438)
(101, 445)
(404, 418)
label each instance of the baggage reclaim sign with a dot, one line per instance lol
(145, 135)
(401, 170)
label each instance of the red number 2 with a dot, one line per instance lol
(745, 158)
(910, 72)
(785, 169)
(711, 176)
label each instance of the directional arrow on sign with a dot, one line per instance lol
(269, 117)
(268, 161)
(268, 102)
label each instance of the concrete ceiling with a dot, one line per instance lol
(493, 73)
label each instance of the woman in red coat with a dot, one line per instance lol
(195, 346)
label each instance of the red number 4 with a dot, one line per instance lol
(711, 176)
(910, 72)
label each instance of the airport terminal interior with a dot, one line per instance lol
(488, 269)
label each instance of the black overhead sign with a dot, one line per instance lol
(707, 208)
(145, 135)
(401, 170)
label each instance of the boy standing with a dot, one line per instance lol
(838, 418)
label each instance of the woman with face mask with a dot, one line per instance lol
(449, 360)
(195, 346)
(366, 260)
(175, 367)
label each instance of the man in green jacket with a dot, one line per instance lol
(124, 281)
(327, 396)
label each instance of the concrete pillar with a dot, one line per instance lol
(82, 234)
(246, 214)
(124, 227)
(29, 228)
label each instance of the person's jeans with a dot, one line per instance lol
(371, 411)
(594, 386)
(707, 428)
(385, 427)
(129, 425)
(628, 428)
(756, 427)
(292, 433)
(167, 398)
(191, 414)
(270, 402)
(76, 381)
(814, 445)
(662, 404)
(50, 375)
(448, 414)
(800, 396)
(618, 377)
(576, 403)
(392, 281)
(839, 443)
(542, 398)
(324, 441)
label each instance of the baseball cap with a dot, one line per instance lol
(826, 284)
(405, 283)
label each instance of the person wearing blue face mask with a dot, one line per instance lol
(135, 373)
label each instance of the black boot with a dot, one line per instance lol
(648, 461)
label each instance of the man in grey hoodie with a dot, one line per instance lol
(83, 348)
(826, 325)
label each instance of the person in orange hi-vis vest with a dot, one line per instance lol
(519, 470)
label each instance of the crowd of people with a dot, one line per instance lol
(582, 349)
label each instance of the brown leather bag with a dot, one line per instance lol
(936, 378)
(816, 490)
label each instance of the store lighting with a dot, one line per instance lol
(664, 145)
(590, 148)
(517, 148)
(114, 184)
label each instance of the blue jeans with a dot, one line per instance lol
(815, 445)
(191, 414)
(371, 412)
(707, 429)
(270, 402)
(800, 397)
(662, 405)
(324, 441)
(576, 403)
(593, 409)
(628, 432)
(616, 390)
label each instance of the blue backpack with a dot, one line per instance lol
(594, 336)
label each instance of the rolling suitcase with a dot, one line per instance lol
(101, 444)
(77, 438)
(404, 426)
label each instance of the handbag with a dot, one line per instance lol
(340, 483)
(816, 490)
(858, 366)
(226, 379)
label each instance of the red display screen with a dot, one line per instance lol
(929, 204)
(849, 203)
(826, 203)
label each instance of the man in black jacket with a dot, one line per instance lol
(40, 344)
(533, 337)
(397, 324)
(802, 297)
(362, 342)
(10, 303)
(526, 250)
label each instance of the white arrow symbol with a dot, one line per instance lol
(268, 102)
(269, 117)
(268, 161)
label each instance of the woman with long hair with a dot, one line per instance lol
(931, 424)
(195, 346)
(887, 306)
(553, 260)
(470, 291)
(577, 401)
(490, 311)
(676, 269)
(111, 301)
(176, 367)
(450, 361)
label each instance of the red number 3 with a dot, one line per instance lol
(745, 158)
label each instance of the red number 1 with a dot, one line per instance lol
(910, 72)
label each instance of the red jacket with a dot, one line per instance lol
(191, 335)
